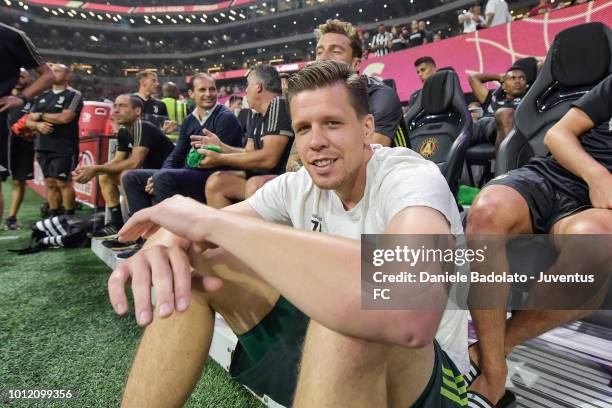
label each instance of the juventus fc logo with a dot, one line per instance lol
(316, 222)
(155, 109)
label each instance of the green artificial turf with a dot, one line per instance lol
(58, 331)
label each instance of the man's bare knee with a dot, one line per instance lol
(214, 184)
(498, 209)
(504, 117)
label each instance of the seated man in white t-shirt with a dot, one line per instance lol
(250, 266)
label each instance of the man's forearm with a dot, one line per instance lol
(257, 160)
(231, 149)
(320, 274)
(485, 77)
(56, 118)
(567, 150)
(116, 166)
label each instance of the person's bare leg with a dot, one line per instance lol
(255, 183)
(67, 192)
(109, 188)
(528, 324)
(504, 122)
(342, 371)
(17, 196)
(173, 351)
(497, 210)
(53, 194)
(225, 187)
(170, 357)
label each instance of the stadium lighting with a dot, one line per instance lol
(108, 15)
(24, 19)
(61, 11)
(100, 17)
(294, 22)
(92, 14)
(25, 7)
(361, 10)
(274, 26)
(181, 16)
(8, 2)
(174, 21)
(202, 19)
(216, 19)
(83, 15)
(204, 15)
(147, 21)
(232, 18)
(242, 15)
(384, 6)
(94, 38)
(132, 20)
(168, 17)
(210, 42)
(222, 15)
(54, 12)
(188, 20)
(233, 12)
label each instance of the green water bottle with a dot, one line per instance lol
(194, 158)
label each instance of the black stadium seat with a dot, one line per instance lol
(440, 126)
(579, 58)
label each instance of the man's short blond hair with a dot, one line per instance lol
(345, 28)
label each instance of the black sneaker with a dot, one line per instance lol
(128, 253)
(116, 245)
(107, 231)
(10, 224)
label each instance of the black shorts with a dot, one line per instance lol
(276, 373)
(484, 130)
(550, 195)
(56, 166)
(21, 158)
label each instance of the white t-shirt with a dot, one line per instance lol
(395, 179)
(469, 25)
(500, 9)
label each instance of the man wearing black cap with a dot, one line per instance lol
(16, 51)
(498, 105)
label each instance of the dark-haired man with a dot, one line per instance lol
(498, 105)
(140, 144)
(55, 116)
(351, 356)
(339, 41)
(20, 152)
(425, 67)
(267, 150)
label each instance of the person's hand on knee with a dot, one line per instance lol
(167, 269)
(149, 186)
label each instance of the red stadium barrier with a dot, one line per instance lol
(491, 50)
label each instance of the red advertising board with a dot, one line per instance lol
(101, 7)
(490, 50)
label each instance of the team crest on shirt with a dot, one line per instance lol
(316, 222)
(610, 125)
(428, 147)
(60, 100)
(155, 109)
